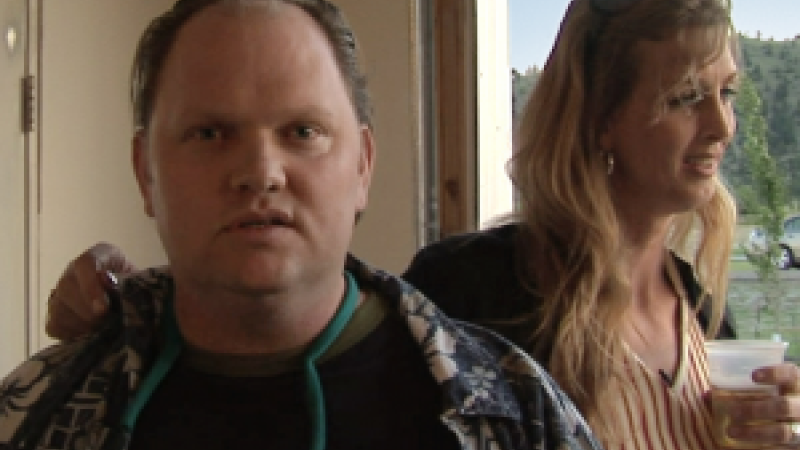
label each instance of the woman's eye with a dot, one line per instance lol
(687, 98)
(728, 94)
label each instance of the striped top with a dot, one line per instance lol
(668, 415)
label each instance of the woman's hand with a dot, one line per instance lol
(78, 303)
(774, 420)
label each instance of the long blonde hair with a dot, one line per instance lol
(570, 244)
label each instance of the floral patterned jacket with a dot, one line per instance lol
(72, 396)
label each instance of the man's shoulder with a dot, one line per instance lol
(39, 366)
(145, 289)
(493, 378)
(481, 373)
(22, 390)
(75, 379)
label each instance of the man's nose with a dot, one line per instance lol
(260, 165)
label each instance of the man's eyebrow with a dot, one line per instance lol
(312, 110)
(203, 117)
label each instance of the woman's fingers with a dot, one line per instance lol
(79, 302)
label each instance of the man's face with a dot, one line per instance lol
(253, 164)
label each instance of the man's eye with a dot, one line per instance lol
(206, 133)
(304, 132)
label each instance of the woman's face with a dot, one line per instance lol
(669, 137)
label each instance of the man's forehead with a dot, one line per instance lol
(237, 27)
(236, 9)
(244, 6)
(221, 61)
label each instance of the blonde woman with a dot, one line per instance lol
(623, 218)
(614, 271)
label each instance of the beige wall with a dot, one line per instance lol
(12, 186)
(87, 187)
(88, 193)
(387, 29)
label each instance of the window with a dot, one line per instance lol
(472, 114)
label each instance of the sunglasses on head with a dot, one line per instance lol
(611, 6)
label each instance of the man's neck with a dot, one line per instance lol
(225, 322)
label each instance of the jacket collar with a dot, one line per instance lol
(464, 359)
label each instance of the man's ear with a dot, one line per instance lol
(142, 170)
(366, 165)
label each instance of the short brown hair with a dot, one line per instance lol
(159, 37)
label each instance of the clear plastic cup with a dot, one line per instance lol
(731, 364)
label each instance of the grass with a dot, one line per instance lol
(746, 299)
(741, 266)
(761, 311)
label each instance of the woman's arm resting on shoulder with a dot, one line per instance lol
(78, 303)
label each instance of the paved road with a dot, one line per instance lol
(791, 274)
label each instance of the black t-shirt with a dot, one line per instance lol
(473, 277)
(379, 395)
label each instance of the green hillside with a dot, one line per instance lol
(521, 86)
(774, 67)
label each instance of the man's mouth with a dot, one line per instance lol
(260, 221)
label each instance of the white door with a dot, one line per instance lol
(14, 316)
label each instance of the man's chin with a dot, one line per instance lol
(256, 290)
(243, 282)
(260, 283)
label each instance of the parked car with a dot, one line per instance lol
(790, 242)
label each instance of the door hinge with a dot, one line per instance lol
(28, 103)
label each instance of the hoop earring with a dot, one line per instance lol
(609, 163)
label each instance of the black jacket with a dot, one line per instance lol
(473, 277)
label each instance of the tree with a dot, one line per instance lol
(768, 192)
(755, 72)
(521, 87)
(767, 201)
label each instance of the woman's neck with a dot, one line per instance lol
(652, 324)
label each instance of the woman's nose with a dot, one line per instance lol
(719, 120)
